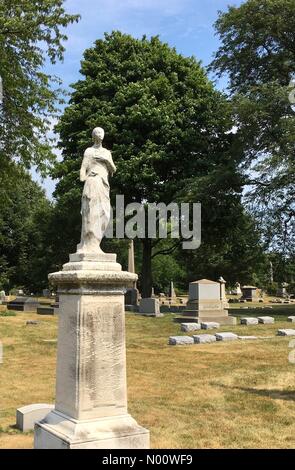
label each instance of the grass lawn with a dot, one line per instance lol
(224, 395)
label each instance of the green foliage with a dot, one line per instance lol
(165, 124)
(165, 269)
(257, 53)
(25, 213)
(30, 32)
(8, 313)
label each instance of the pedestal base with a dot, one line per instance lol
(58, 431)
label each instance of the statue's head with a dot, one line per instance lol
(98, 134)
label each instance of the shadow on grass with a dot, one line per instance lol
(275, 394)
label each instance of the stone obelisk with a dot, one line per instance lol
(91, 392)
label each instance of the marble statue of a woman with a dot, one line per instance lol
(96, 167)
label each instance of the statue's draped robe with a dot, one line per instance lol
(96, 209)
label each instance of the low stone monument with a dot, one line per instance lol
(207, 304)
(27, 416)
(249, 321)
(131, 294)
(2, 296)
(226, 336)
(180, 340)
(172, 293)
(150, 307)
(23, 304)
(282, 291)
(91, 393)
(250, 294)
(286, 332)
(223, 297)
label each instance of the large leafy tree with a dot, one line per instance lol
(30, 33)
(257, 53)
(25, 222)
(165, 124)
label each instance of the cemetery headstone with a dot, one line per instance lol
(226, 336)
(210, 325)
(204, 339)
(206, 305)
(249, 321)
(286, 332)
(266, 320)
(150, 307)
(190, 327)
(250, 294)
(180, 340)
(27, 416)
(23, 304)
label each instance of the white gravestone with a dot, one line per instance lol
(249, 321)
(266, 320)
(190, 327)
(180, 340)
(287, 332)
(204, 339)
(209, 325)
(27, 416)
(207, 303)
(91, 393)
(150, 307)
(226, 337)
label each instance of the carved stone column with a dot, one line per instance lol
(91, 392)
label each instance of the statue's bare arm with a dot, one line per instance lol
(84, 167)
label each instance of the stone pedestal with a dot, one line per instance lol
(150, 307)
(91, 394)
(250, 294)
(206, 304)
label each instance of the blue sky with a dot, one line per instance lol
(184, 24)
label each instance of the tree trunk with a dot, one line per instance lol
(147, 281)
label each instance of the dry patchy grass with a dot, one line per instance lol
(223, 395)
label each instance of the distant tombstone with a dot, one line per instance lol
(282, 291)
(249, 321)
(223, 297)
(131, 297)
(266, 320)
(172, 293)
(150, 307)
(20, 292)
(237, 290)
(153, 293)
(46, 293)
(2, 296)
(206, 305)
(249, 293)
(286, 332)
(23, 304)
(204, 339)
(271, 277)
(226, 336)
(45, 310)
(180, 340)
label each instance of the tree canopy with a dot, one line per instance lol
(30, 33)
(166, 125)
(257, 53)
